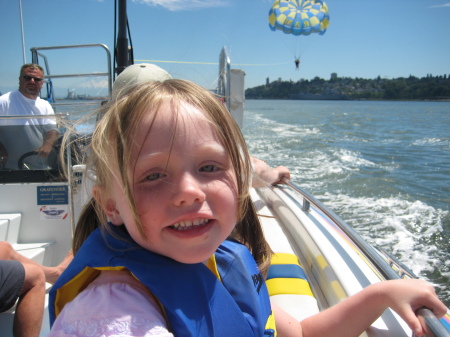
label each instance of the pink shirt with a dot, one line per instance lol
(114, 304)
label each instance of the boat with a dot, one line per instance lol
(39, 211)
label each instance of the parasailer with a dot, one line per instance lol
(299, 17)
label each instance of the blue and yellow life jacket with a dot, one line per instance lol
(195, 301)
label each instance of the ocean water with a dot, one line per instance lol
(383, 167)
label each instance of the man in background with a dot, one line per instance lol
(20, 136)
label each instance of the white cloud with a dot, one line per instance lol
(178, 5)
(439, 6)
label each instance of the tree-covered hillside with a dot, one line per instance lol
(410, 88)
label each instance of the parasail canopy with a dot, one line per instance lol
(299, 17)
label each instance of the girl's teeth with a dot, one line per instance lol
(183, 225)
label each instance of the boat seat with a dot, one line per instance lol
(9, 227)
(34, 251)
(9, 231)
(3, 229)
(289, 288)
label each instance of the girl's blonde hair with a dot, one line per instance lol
(114, 137)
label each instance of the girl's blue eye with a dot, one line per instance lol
(154, 176)
(208, 168)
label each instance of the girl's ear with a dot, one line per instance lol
(108, 205)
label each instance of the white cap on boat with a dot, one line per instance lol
(138, 73)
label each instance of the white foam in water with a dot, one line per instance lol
(295, 131)
(399, 226)
(432, 141)
(352, 160)
(318, 164)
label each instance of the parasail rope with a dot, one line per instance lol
(213, 63)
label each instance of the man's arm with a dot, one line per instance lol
(49, 140)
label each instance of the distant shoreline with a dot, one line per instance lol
(430, 88)
(352, 99)
(89, 98)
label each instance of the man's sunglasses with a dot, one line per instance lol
(28, 78)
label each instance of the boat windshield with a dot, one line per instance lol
(30, 148)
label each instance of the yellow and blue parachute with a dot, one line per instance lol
(299, 17)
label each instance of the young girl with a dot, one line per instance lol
(178, 237)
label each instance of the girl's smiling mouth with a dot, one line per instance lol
(189, 224)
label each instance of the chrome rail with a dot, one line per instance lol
(59, 116)
(434, 327)
(372, 254)
(35, 54)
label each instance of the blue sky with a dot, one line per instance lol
(366, 39)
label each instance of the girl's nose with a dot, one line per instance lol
(188, 191)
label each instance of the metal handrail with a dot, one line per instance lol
(433, 325)
(367, 249)
(35, 53)
(58, 116)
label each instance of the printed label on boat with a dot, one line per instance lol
(58, 212)
(52, 195)
(53, 202)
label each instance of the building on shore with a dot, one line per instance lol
(71, 94)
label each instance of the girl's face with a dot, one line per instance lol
(184, 186)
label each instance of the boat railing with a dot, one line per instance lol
(59, 117)
(367, 249)
(433, 325)
(35, 52)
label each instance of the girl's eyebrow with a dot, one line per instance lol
(205, 148)
(153, 155)
(216, 147)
